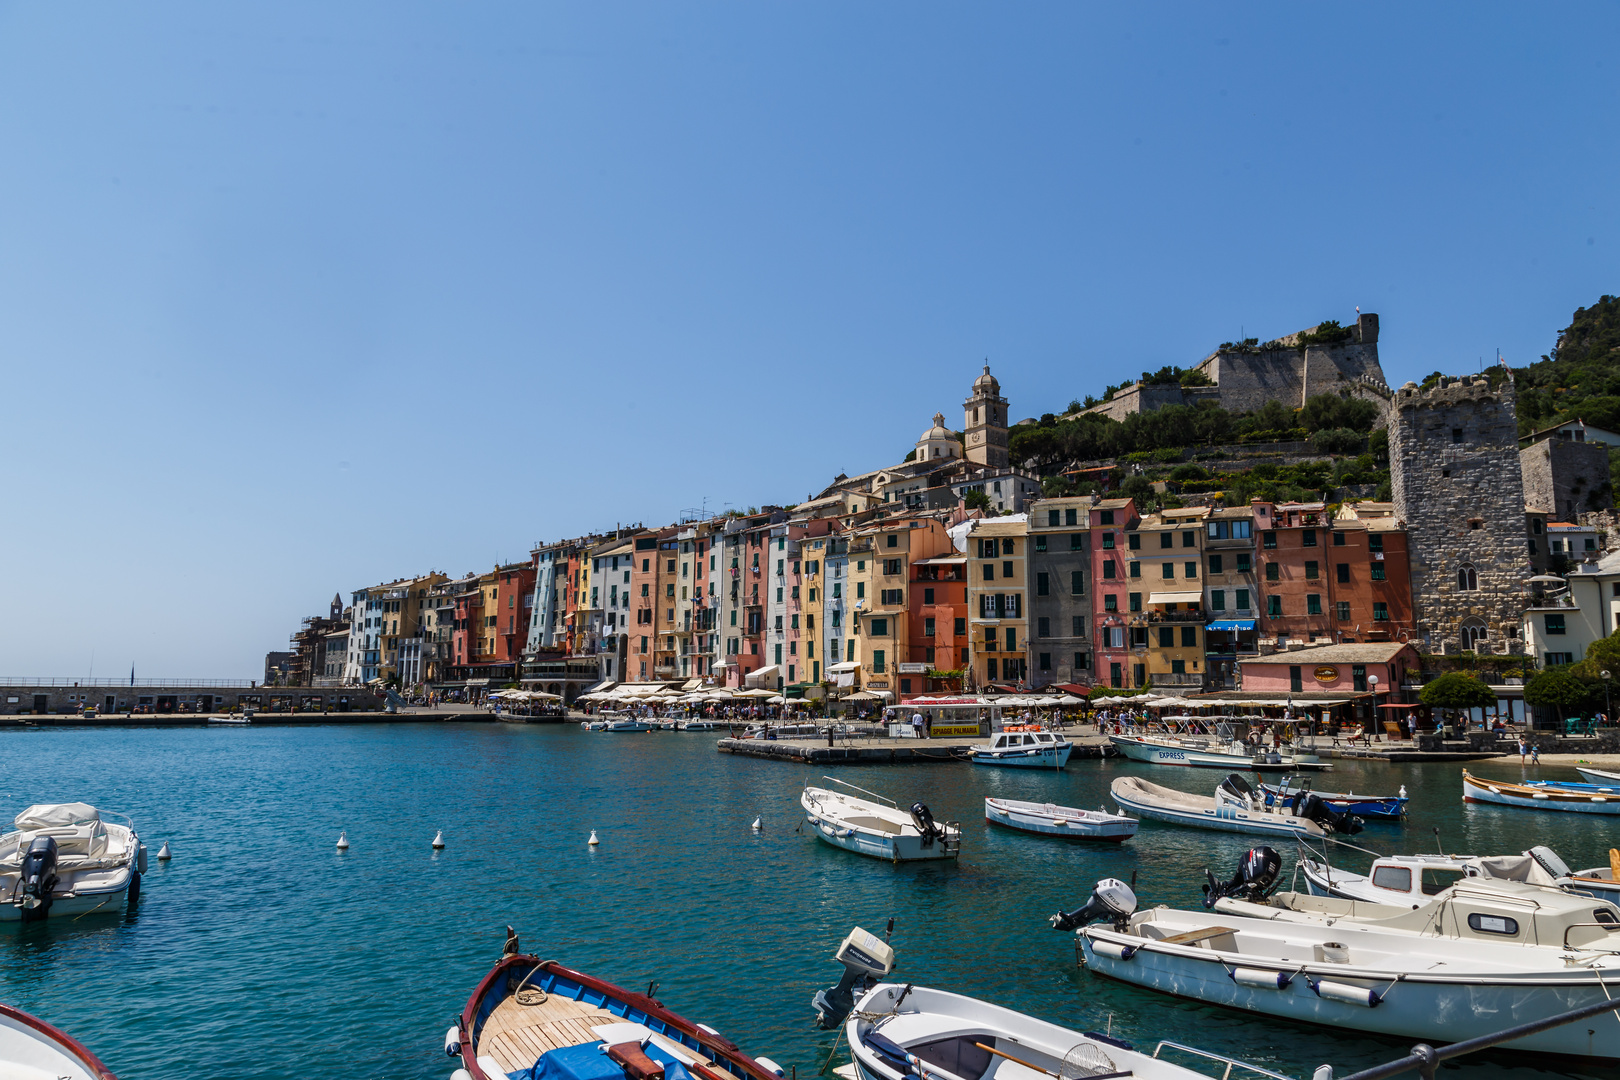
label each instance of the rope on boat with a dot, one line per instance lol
(518, 995)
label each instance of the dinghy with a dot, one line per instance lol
(877, 827)
(1234, 808)
(1068, 822)
(1530, 797)
(31, 1048)
(1472, 963)
(535, 1018)
(64, 859)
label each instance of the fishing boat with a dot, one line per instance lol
(1598, 776)
(1381, 807)
(1235, 807)
(532, 1014)
(902, 1032)
(1473, 962)
(875, 826)
(1023, 749)
(64, 859)
(1068, 822)
(1212, 752)
(1528, 797)
(31, 1049)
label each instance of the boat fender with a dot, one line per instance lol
(140, 860)
(134, 892)
(461, 1074)
(1259, 979)
(771, 1065)
(452, 1041)
(1112, 949)
(1345, 992)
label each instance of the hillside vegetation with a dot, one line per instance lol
(1580, 377)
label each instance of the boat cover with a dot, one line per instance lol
(56, 815)
(590, 1062)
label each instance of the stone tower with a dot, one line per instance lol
(984, 422)
(1454, 468)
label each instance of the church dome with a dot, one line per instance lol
(938, 431)
(986, 383)
(938, 443)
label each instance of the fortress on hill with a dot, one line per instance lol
(1290, 369)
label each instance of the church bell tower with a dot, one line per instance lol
(984, 422)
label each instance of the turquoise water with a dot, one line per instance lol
(260, 952)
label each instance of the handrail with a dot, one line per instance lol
(1424, 1058)
(863, 791)
(1608, 928)
(1230, 1061)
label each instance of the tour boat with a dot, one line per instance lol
(1065, 821)
(31, 1049)
(1528, 797)
(1387, 807)
(1234, 808)
(1470, 964)
(535, 1014)
(1023, 749)
(903, 1032)
(1598, 776)
(63, 859)
(1211, 753)
(877, 827)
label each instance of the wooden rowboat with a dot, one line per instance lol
(31, 1047)
(1524, 796)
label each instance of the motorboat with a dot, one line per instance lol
(1235, 807)
(1382, 807)
(1473, 962)
(1212, 752)
(628, 723)
(65, 859)
(231, 720)
(594, 725)
(1415, 880)
(533, 1014)
(904, 1031)
(875, 826)
(699, 725)
(1601, 882)
(1597, 776)
(1530, 797)
(797, 730)
(1068, 822)
(1023, 749)
(31, 1049)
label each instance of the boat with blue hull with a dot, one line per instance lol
(1527, 797)
(1379, 807)
(531, 1019)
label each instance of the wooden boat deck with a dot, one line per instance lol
(516, 1035)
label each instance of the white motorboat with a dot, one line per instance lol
(901, 1032)
(31, 1049)
(699, 725)
(1235, 807)
(1048, 819)
(1023, 749)
(63, 859)
(1473, 962)
(797, 730)
(877, 827)
(628, 724)
(1414, 880)
(232, 720)
(1211, 752)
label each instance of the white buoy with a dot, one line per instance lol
(593, 841)
(755, 826)
(438, 840)
(343, 841)
(164, 855)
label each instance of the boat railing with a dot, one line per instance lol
(1425, 1059)
(1609, 927)
(1230, 1062)
(862, 790)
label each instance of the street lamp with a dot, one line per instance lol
(1372, 684)
(1606, 677)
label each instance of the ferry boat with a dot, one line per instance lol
(1023, 749)
(530, 1013)
(31, 1049)
(1533, 797)
(64, 859)
(1071, 823)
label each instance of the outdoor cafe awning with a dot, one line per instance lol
(1192, 596)
(1231, 624)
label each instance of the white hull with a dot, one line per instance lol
(1477, 790)
(96, 881)
(1064, 821)
(1205, 813)
(870, 828)
(1045, 757)
(1598, 776)
(1432, 1008)
(31, 1049)
(1167, 752)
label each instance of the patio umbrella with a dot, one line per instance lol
(1069, 700)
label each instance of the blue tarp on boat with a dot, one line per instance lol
(588, 1062)
(1231, 624)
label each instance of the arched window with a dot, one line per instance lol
(1473, 635)
(1467, 580)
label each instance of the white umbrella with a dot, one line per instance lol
(1070, 700)
(776, 699)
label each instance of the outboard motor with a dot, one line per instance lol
(1256, 878)
(38, 878)
(1112, 899)
(1309, 805)
(865, 957)
(1235, 789)
(923, 818)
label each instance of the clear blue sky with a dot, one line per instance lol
(295, 298)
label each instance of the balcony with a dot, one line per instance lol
(1147, 617)
(1186, 680)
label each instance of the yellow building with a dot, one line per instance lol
(1166, 598)
(998, 560)
(880, 605)
(400, 618)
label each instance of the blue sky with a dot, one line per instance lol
(295, 298)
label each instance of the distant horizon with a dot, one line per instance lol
(302, 298)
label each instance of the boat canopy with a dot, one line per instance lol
(56, 815)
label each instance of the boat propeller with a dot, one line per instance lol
(1112, 899)
(866, 957)
(1257, 877)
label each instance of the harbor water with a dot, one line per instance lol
(263, 953)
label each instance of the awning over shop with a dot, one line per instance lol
(754, 678)
(1191, 596)
(1231, 624)
(847, 665)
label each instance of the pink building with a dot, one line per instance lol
(1110, 520)
(1337, 669)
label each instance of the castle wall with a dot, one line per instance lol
(1454, 468)
(1563, 478)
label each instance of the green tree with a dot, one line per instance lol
(976, 500)
(1556, 688)
(1457, 690)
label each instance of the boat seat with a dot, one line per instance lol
(74, 839)
(1193, 937)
